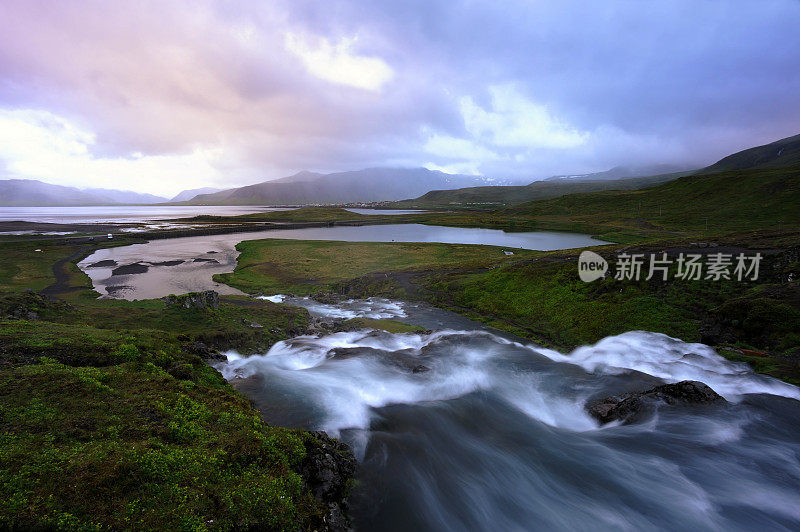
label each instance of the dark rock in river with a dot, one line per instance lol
(167, 263)
(326, 297)
(627, 407)
(201, 300)
(327, 470)
(215, 261)
(203, 351)
(130, 269)
(103, 264)
(116, 288)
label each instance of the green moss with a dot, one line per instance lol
(134, 446)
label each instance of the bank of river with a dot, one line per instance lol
(181, 265)
(466, 429)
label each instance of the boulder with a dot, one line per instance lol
(200, 300)
(327, 470)
(130, 269)
(629, 406)
(326, 297)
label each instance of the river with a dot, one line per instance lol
(181, 265)
(493, 434)
(467, 428)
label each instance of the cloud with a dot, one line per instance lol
(337, 63)
(37, 144)
(517, 122)
(258, 90)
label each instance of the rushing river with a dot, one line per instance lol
(181, 265)
(492, 433)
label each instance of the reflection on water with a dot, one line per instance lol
(198, 265)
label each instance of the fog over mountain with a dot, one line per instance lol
(186, 195)
(93, 95)
(368, 185)
(125, 196)
(33, 193)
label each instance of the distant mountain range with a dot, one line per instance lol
(31, 193)
(430, 188)
(186, 195)
(124, 196)
(368, 185)
(623, 172)
(493, 197)
(782, 153)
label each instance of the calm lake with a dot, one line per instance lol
(123, 213)
(145, 213)
(181, 265)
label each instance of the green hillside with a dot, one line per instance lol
(492, 197)
(784, 152)
(724, 201)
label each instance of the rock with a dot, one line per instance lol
(201, 300)
(327, 470)
(327, 297)
(103, 264)
(215, 261)
(252, 324)
(167, 263)
(627, 407)
(420, 369)
(29, 306)
(203, 351)
(130, 269)
(117, 287)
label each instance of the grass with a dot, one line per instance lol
(538, 295)
(109, 420)
(22, 267)
(142, 435)
(304, 266)
(704, 204)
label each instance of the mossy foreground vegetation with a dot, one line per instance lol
(111, 419)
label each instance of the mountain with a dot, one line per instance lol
(368, 185)
(124, 196)
(784, 152)
(186, 195)
(28, 193)
(622, 172)
(497, 196)
(753, 189)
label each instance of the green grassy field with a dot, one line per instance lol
(110, 420)
(303, 266)
(701, 205)
(538, 295)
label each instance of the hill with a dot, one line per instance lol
(29, 193)
(724, 201)
(494, 196)
(124, 196)
(32, 193)
(368, 185)
(186, 195)
(781, 153)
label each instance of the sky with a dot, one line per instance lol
(164, 96)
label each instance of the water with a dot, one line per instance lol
(389, 212)
(123, 213)
(494, 436)
(120, 214)
(196, 269)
